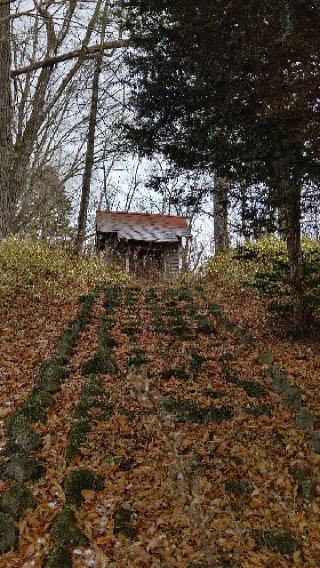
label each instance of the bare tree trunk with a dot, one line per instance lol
(86, 181)
(87, 175)
(220, 210)
(293, 226)
(6, 197)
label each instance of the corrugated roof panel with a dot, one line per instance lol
(142, 226)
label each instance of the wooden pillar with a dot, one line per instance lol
(128, 259)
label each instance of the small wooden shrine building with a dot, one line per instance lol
(142, 243)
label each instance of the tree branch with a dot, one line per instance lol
(87, 52)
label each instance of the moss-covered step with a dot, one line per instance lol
(252, 388)
(259, 410)
(100, 364)
(123, 518)
(179, 373)
(78, 480)
(21, 437)
(59, 558)
(292, 398)
(315, 442)
(65, 531)
(280, 381)
(16, 500)
(306, 485)
(8, 534)
(77, 435)
(277, 540)
(184, 411)
(238, 488)
(197, 360)
(265, 358)
(204, 325)
(178, 327)
(22, 468)
(305, 419)
(137, 358)
(93, 397)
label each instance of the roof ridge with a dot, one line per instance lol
(140, 213)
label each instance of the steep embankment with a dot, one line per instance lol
(157, 434)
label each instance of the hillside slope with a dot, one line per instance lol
(142, 427)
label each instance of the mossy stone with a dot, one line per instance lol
(22, 469)
(305, 419)
(218, 414)
(238, 488)
(78, 480)
(78, 431)
(260, 410)
(232, 378)
(280, 382)
(205, 326)
(65, 531)
(59, 558)
(8, 534)
(292, 398)
(23, 441)
(15, 422)
(123, 463)
(197, 361)
(52, 386)
(35, 406)
(306, 485)
(122, 523)
(227, 357)
(82, 409)
(228, 325)
(178, 373)
(54, 368)
(106, 341)
(315, 442)
(92, 388)
(130, 330)
(16, 500)
(137, 358)
(277, 540)
(181, 329)
(215, 394)
(100, 364)
(187, 411)
(266, 358)
(252, 388)
(246, 339)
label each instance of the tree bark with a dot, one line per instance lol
(89, 162)
(6, 195)
(293, 226)
(220, 211)
(86, 181)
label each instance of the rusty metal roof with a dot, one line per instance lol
(142, 226)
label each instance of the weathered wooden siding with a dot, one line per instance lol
(172, 262)
(141, 259)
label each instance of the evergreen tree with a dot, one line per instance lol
(232, 87)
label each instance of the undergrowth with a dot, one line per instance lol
(263, 266)
(34, 268)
